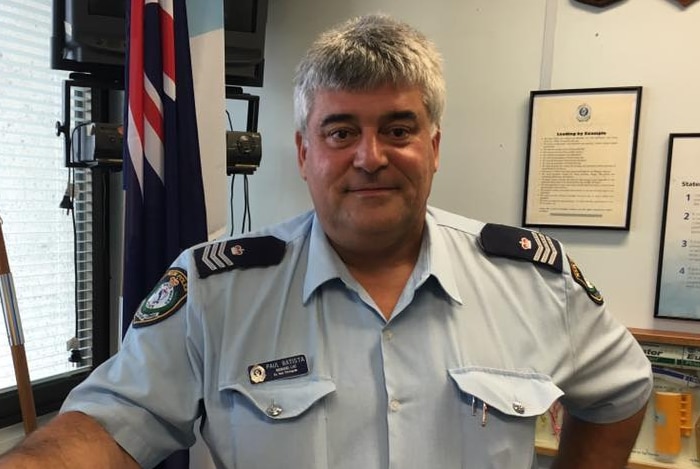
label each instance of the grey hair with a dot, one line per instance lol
(365, 53)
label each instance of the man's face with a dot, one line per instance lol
(368, 158)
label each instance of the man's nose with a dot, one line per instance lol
(370, 155)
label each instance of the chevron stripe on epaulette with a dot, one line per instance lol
(519, 243)
(240, 253)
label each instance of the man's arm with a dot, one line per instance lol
(71, 440)
(585, 445)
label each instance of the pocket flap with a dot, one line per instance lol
(516, 393)
(284, 399)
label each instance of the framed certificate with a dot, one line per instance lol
(580, 157)
(678, 278)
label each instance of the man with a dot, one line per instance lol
(373, 332)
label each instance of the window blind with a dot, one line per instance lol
(39, 236)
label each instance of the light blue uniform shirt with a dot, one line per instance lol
(407, 393)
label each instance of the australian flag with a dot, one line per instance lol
(164, 193)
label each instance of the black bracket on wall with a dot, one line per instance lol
(78, 80)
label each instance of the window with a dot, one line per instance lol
(51, 250)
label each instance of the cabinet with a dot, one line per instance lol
(670, 351)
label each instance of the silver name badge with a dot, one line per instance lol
(289, 367)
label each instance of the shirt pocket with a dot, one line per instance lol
(279, 424)
(498, 410)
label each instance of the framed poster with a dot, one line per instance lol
(580, 157)
(678, 277)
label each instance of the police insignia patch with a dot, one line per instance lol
(166, 298)
(591, 290)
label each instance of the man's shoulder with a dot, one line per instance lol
(500, 240)
(519, 243)
(261, 248)
(450, 220)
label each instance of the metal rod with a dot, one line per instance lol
(15, 336)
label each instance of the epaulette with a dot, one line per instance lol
(239, 253)
(519, 243)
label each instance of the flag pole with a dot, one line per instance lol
(10, 311)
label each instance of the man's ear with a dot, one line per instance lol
(435, 142)
(301, 153)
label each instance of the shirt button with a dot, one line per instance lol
(394, 405)
(388, 335)
(518, 407)
(274, 410)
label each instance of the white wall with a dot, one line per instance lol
(495, 53)
(645, 43)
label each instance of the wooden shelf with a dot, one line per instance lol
(666, 337)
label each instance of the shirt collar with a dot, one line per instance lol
(324, 264)
(440, 260)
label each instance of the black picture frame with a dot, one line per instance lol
(581, 155)
(678, 274)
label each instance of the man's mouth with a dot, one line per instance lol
(370, 188)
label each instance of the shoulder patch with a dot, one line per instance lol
(591, 290)
(240, 253)
(165, 299)
(519, 243)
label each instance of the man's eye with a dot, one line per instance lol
(340, 137)
(399, 132)
(339, 134)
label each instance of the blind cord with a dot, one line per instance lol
(74, 344)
